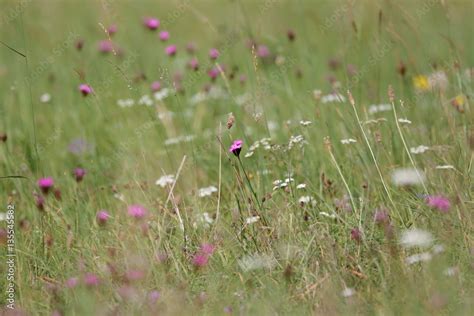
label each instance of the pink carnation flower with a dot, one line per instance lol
(236, 147)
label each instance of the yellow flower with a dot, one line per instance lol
(421, 83)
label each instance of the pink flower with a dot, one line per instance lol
(137, 211)
(236, 147)
(111, 30)
(200, 260)
(40, 202)
(134, 275)
(155, 86)
(91, 279)
(213, 53)
(79, 174)
(439, 202)
(263, 51)
(213, 73)
(207, 249)
(72, 282)
(381, 216)
(191, 48)
(356, 234)
(164, 36)
(170, 50)
(153, 296)
(152, 23)
(193, 64)
(105, 46)
(85, 89)
(102, 217)
(45, 184)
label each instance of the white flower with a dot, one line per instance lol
(327, 215)
(407, 176)
(162, 94)
(404, 121)
(308, 200)
(207, 191)
(301, 186)
(125, 103)
(45, 98)
(305, 123)
(207, 218)
(419, 257)
(256, 261)
(348, 141)
(119, 196)
(333, 97)
(145, 100)
(375, 108)
(165, 180)
(419, 150)
(416, 238)
(249, 154)
(437, 249)
(251, 220)
(272, 125)
(298, 139)
(348, 292)
(277, 182)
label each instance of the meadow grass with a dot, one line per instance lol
(309, 218)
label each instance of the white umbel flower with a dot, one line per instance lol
(165, 180)
(416, 238)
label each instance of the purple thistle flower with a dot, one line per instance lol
(207, 249)
(356, 234)
(45, 184)
(85, 89)
(213, 53)
(193, 64)
(164, 36)
(381, 216)
(155, 86)
(105, 46)
(137, 211)
(200, 260)
(171, 50)
(111, 30)
(102, 217)
(236, 147)
(438, 202)
(152, 23)
(79, 174)
(91, 279)
(213, 73)
(263, 51)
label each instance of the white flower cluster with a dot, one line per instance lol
(264, 143)
(296, 140)
(333, 97)
(165, 180)
(207, 191)
(419, 150)
(375, 108)
(407, 176)
(279, 184)
(348, 141)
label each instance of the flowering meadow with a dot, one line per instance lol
(236, 157)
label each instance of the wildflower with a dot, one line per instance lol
(416, 238)
(79, 174)
(305, 123)
(325, 214)
(105, 46)
(164, 36)
(421, 83)
(193, 64)
(251, 220)
(404, 121)
(263, 51)
(381, 216)
(356, 234)
(242, 79)
(291, 35)
(439, 202)
(91, 279)
(213, 53)
(419, 150)
(333, 97)
(207, 191)
(213, 73)
(301, 186)
(45, 184)
(438, 80)
(348, 141)
(348, 292)
(155, 86)
(152, 23)
(134, 275)
(85, 89)
(375, 108)
(153, 296)
(236, 147)
(72, 282)
(307, 200)
(200, 260)
(419, 257)
(170, 50)
(45, 98)
(165, 180)
(450, 271)
(137, 211)
(57, 194)
(207, 249)
(102, 217)
(161, 95)
(111, 30)
(39, 202)
(407, 176)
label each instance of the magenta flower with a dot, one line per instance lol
(45, 184)
(193, 64)
(207, 249)
(153, 296)
(213, 53)
(152, 23)
(236, 147)
(381, 216)
(91, 279)
(200, 260)
(439, 202)
(72, 282)
(263, 51)
(213, 73)
(137, 211)
(164, 36)
(102, 217)
(85, 89)
(111, 30)
(155, 86)
(356, 234)
(105, 46)
(79, 174)
(171, 50)
(40, 202)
